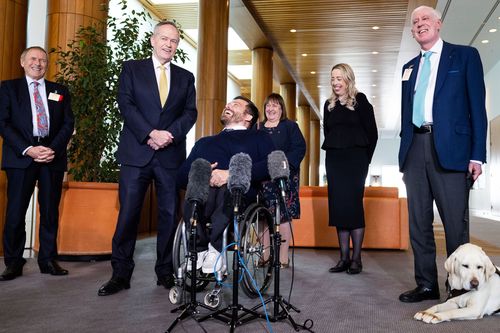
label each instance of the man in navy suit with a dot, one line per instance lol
(36, 124)
(152, 147)
(442, 149)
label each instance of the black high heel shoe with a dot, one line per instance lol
(341, 266)
(355, 267)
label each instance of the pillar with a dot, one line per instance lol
(211, 85)
(314, 147)
(303, 119)
(289, 93)
(262, 76)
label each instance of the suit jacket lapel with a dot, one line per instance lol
(413, 78)
(444, 65)
(24, 100)
(174, 89)
(149, 76)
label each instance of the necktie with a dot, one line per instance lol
(41, 116)
(419, 98)
(163, 85)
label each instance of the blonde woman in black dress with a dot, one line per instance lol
(350, 138)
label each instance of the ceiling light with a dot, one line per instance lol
(304, 54)
(375, 52)
(293, 30)
(493, 30)
(319, 86)
(374, 96)
(375, 27)
(374, 71)
(485, 41)
(313, 72)
(374, 85)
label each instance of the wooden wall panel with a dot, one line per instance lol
(303, 119)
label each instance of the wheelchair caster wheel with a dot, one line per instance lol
(212, 300)
(174, 295)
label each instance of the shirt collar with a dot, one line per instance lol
(235, 127)
(157, 63)
(436, 48)
(31, 80)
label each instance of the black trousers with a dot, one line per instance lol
(20, 187)
(133, 184)
(427, 182)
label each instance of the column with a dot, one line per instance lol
(262, 76)
(211, 81)
(314, 146)
(289, 93)
(303, 119)
(64, 18)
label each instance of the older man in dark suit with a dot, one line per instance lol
(443, 143)
(152, 146)
(36, 124)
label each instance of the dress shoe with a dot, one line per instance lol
(341, 266)
(52, 268)
(419, 294)
(355, 267)
(11, 272)
(167, 281)
(113, 286)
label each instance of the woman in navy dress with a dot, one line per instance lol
(350, 138)
(288, 138)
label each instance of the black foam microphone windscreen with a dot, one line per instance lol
(277, 164)
(240, 173)
(198, 181)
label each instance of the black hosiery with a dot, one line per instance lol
(343, 235)
(357, 236)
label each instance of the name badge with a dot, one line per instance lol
(406, 74)
(55, 97)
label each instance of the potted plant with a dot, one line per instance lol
(89, 66)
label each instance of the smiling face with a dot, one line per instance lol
(425, 27)
(339, 85)
(273, 111)
(34, 63)
(235, 113)
(165, 40)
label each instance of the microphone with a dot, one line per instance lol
(198, 183)
(279, 170)
(240, 175)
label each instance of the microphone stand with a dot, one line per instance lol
(278, 301)
(229, 315)
(189, 309)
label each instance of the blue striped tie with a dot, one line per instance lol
(419, 97)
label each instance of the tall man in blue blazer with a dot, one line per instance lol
(36, 124)
(443, 147)
(152, 147)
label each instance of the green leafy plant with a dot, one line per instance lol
(89, 67)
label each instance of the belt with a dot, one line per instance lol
(422, 129)
(41, 139)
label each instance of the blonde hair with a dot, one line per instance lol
(348, 76)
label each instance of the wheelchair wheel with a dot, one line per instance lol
(256, 248)
(180, 253)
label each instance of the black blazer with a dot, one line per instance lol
(16, 123)
(140, 107)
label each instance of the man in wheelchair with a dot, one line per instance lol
(238, 117)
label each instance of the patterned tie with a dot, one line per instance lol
(41, 116)
(419, 97)
(163, 85)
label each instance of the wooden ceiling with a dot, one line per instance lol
(329, 32)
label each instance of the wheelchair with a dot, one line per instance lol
(256, 230)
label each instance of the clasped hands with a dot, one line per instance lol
(41, 154)
(219, 177)
(160, 139)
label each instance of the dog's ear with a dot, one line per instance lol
(449, 264)
(489, 268)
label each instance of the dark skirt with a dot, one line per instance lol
(270, 191)
(346, 171)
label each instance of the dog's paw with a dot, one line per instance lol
(419, 315)
(431, 318)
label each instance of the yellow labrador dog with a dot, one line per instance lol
(468, 268)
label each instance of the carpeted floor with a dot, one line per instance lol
(339, 302)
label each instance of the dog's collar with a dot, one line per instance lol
(498, 272)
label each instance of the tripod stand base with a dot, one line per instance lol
(281, 310)
(188, 310)
(230, 316)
